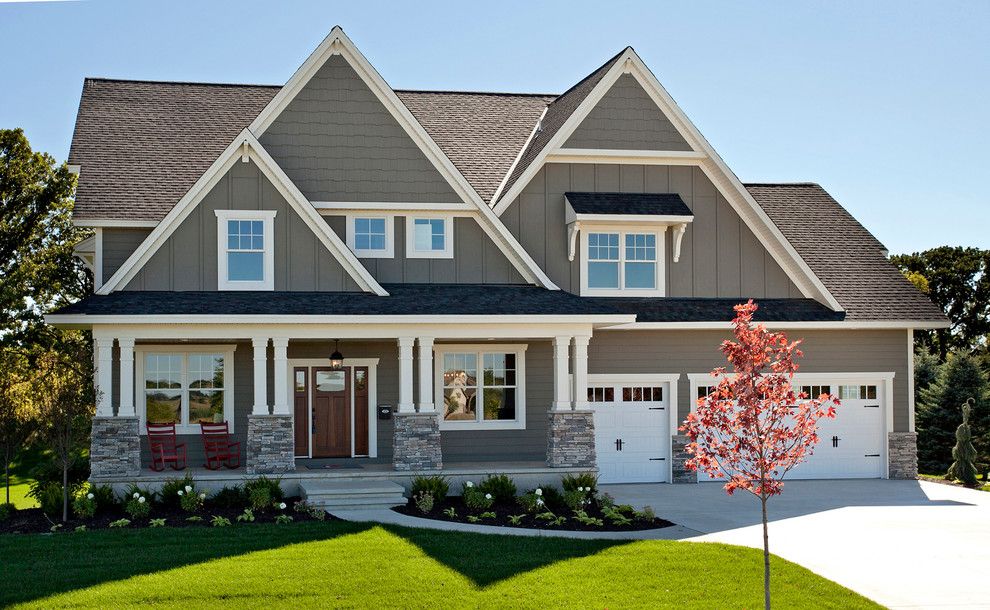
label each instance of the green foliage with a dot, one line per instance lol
(310, 509)
(230, 497)
(104, 496)
(79, 529)
(615, 517)
(246, 517)
(964, 453)
(54, 528)
(437, 486)
(606, 501)
(424, 502)
(584, 518)
(260, 498)
(450, 512)
(626, 509)
(501, 487)
(7, 510)
(156, 523)
(284, 519)
(516, 519)
(473, 519)
(191, 501)
(49, 497)
(475, 499)
(546, 516)
(84, 506)
(170, 490)
(262, 492)
(553, 499)
(487, 515)
(938, 414)
(218, 521)
(120, 523)
(575, 500)
(586, 481)
(194, 519)
(647, 514)
(138, 508)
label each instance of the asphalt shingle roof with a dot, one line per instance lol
(654, 204)
(651, 309)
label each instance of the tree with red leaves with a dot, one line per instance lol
(753, 428)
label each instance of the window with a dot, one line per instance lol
(623, 263)
(245, 252)
(642, 394)
(601, 394)
(185, 387)
(705, 390)
(429, 237)
(814, 391)
(371, 236)
(857, 392)
(481, 388)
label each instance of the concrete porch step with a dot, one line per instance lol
(352, 495)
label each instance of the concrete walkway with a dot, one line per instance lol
(905, 544)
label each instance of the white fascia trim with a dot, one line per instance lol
(117, 223)
(699, 379)
(85, 251)
(840, 325)
(714, 167)
(337, 43)
(448, 236)
(355, 206)
(633, 377)
(268, 269)
(349, 230)
(515, 162)
(626, 219)
(98, 258)
(243, 148)
(640, 157)
(215, 320)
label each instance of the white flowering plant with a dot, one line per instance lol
(190, 500)
(475, 499)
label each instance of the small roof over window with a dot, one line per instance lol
(667, 208)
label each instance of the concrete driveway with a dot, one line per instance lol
(904, 544)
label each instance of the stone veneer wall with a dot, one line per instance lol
(115, 448)
(416, 442)
(571, 439)
(681, 474)
(902, 455)
(270, 444)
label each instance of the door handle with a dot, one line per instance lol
(618, 444)
(835, 441)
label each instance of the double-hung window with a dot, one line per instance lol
(245, 249)
(429, 237)
(622, 262)
(481, 387)
(370, 236)
(185, 386)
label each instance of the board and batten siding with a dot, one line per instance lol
(338, 142)
(118, 245)
(697, 351)
(477, 259)
(188, 258)
(626, 118)
(720, 256)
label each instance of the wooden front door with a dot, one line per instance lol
(331, 412)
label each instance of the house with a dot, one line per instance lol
(362, 280)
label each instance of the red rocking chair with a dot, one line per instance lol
(164, 448)
(220, 450)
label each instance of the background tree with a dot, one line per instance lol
(958, 281)
(17, 420)
(963, 467)
(748, 429)
(938, 415)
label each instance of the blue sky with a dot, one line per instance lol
(883, 103)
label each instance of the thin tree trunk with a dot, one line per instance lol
(6, 476)
(65, 492)
(766, 557)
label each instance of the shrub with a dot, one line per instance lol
(218, 521)
(156, 523)
(500, 486)
(138, 505)
(475, 499)
(194, 519)
(606, 501)
(84, 505)
(582, 517)
(450, 512)
(552, 498)
(49, 497)
(230, 497)
(260, 498)
(588, 481)
(310, 509)
(7, 510)
(516, 519)
(50, 471)
(531, 501)
(615, 517)
(246, 517)
(80, 529)
(575, 499)
(120, 523)
(437, 486)
(487, 515)
(171, 488)
(104, 496)
(424, 502)
(133, 488)
(284, 519)
(273, 486)
(647, 514)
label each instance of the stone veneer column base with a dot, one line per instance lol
(902, 455)
(416, 443)
(115, 448)
(571, 439)
(270, 444)
(681, 474)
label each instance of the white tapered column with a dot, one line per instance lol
(579, 391)
(281, 377)
(104, 375)
(406, 404)
(126, 408)
(260, 345)
(425, 403)
(561, 386)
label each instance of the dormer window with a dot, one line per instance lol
(622, 262)
(370, 236)
(429, 237)
(245, 249)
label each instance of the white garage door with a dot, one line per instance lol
(632, 431)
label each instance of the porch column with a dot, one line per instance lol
(561, 393)
(260, 345)
(126, 407)
(104, 376)
(426, 400)
(579, 393)
(406, 404)
(281, 360)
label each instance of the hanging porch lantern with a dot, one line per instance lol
(336, 358)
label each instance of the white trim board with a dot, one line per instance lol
(245, 147)
(328, 207)
(117, 223)
(839, 325)
(337, 43)
(714, 167)
(638, 157)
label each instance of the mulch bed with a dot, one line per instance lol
(34, 521)
(529, 521)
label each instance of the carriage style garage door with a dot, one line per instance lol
(632, 428)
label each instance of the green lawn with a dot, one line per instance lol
(336, 564)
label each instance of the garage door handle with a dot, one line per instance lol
(658, 459)
(656, 408)
(871, 406)
(618, 444)
(872, 455)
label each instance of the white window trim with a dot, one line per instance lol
(228, 382)
(268, 217)
(519, 349)
(622, 230)
(388, 252)
(448, 237)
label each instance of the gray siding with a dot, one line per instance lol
(627, 119)
(337, 142)
(720, 256)
(696, 351)
(188, 259)
(118, 245)
(477, 260)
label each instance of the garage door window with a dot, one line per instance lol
(641, 394)
(601, 394)
(857, 392)
(814, 391)
(705, 390)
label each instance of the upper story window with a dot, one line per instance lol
(622, 262)
(245, 249)
(370, 236)
(429, 237)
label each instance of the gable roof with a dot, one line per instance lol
(849, 260)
